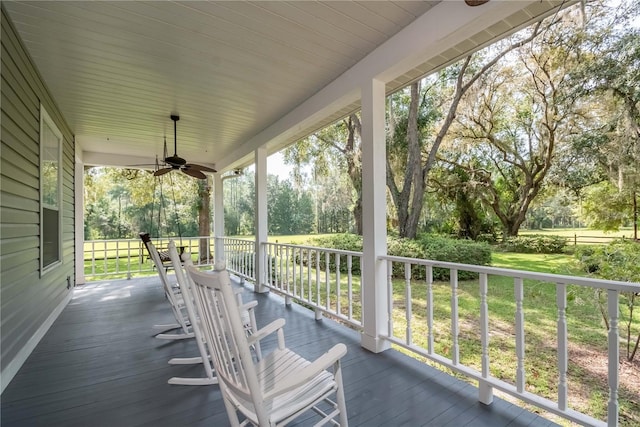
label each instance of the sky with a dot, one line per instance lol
(276, 166)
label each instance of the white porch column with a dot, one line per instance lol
(260, 217)
(79, 219)
(374, 212)
(218, 216)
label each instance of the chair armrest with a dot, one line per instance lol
(272, 327)
(304, 375)
(249, 305)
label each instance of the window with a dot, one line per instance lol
(50, 191)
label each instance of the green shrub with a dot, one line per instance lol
(619, 260)
(425, 247)
(535, 243)
(345, 242)
(451, 250)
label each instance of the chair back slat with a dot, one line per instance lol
(187, 289)
(223, 327)
(168, 289)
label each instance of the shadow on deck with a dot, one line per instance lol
(99, 365)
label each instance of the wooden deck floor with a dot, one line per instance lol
(99, 365)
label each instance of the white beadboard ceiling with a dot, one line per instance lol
(240, 74)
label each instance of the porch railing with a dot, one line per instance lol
(419, 274)
(128, 257)
(328, 281)
(239, 256)
(324, 280)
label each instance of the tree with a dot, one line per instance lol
(610, 77)
(239, 205)
(333, 148)
(524, 111)
(204, 215)
(407, 173)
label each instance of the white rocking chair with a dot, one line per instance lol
(186, 288)
(276, 389)
(187, 297)
(175, 300)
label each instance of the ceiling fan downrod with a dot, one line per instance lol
(175, 160)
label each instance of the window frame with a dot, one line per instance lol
(46, 120)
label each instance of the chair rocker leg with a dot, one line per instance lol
(185, 360)
(193, 381)
(167, 327)
(175, 336)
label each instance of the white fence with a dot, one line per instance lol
(128, 257)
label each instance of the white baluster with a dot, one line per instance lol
(519, 323)
(614, 357)
(287, 299)
(484, 389)
(338, 283)
(390, 298)
(455, 331)
(308, 275)
(429, 309)
(327, 278)
(280, 276)
(350, 284)
(318, 302)
(561, 302)
(294, 270)
(301, 294)
(407, 299)
(318, 277)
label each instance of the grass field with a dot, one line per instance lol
(584, 236)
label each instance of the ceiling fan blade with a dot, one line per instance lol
(194, 173)
(202, 168)
(162, 171)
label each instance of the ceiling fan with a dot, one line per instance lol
(176, 162)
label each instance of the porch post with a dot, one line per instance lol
(260, 217)
(218, 217)
(374, 213)
(78, 216)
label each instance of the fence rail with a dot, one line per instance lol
(592, 240)
(128, 257)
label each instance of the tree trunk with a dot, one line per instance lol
(354, 166)
(204, 217)
(635, 216)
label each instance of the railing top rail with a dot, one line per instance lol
(137, 239)
(544, 277)
(113, 240)
(315, 248)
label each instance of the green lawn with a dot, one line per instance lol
(543, 263)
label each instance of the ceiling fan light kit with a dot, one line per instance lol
(176, 162)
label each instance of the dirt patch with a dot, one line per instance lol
(592, 368)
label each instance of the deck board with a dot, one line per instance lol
(99, 365)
